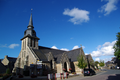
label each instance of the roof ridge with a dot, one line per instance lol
(12, 57)
(53, 49)
(74, 49)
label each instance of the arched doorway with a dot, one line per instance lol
(51, 65)
(65, 67)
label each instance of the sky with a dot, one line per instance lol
(61, 24)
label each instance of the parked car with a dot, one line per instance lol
(89, 72)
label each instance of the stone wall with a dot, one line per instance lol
(77, 69)
(59, 68)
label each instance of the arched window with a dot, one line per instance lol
(51, 65)
(24, 53)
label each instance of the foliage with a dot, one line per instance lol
(92, 63)
(8, 71)
(117, 46)
(81, 62)
(101, 63)
(96, 64)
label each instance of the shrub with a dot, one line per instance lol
(8, 71)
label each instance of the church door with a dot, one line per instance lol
(65, 66)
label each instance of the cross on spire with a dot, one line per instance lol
(31, 10)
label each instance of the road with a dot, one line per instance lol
(105, 75)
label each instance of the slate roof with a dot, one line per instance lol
(45, 51)
(73, 54)
(11, 59)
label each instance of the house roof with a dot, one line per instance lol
(11, 59)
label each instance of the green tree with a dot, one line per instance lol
(81, 62)
(117, 46)
(8, 71)
(101, 63)
(96, 64)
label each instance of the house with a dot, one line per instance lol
(2, 67)
(9, 62)
(39, 60)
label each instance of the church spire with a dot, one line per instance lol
(30, 25)
(30, 22)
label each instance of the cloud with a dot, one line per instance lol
(96, 53)
(108, 7)
(12, 46)
(97, 59)
(75, 47)
(54, 47)
(64, 49)
(105, 50)
(79, 16)
(86, 53)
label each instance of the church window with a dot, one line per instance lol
(31, 42)
(25, 43)
(22, 63)
(24, 54)
(51, 65)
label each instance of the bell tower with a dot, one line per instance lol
(30, 39)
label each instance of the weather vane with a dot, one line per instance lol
(31, 10)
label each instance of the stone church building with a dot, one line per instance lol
(39, 60)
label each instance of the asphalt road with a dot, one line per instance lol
(105, 75)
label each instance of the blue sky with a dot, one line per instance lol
(61, 24)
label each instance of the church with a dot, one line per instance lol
(39, 60)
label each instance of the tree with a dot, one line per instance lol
(96, 64)
(8, 71)
(101, 63)
(117, 46)
(81, 62)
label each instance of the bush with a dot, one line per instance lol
(8, 71)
